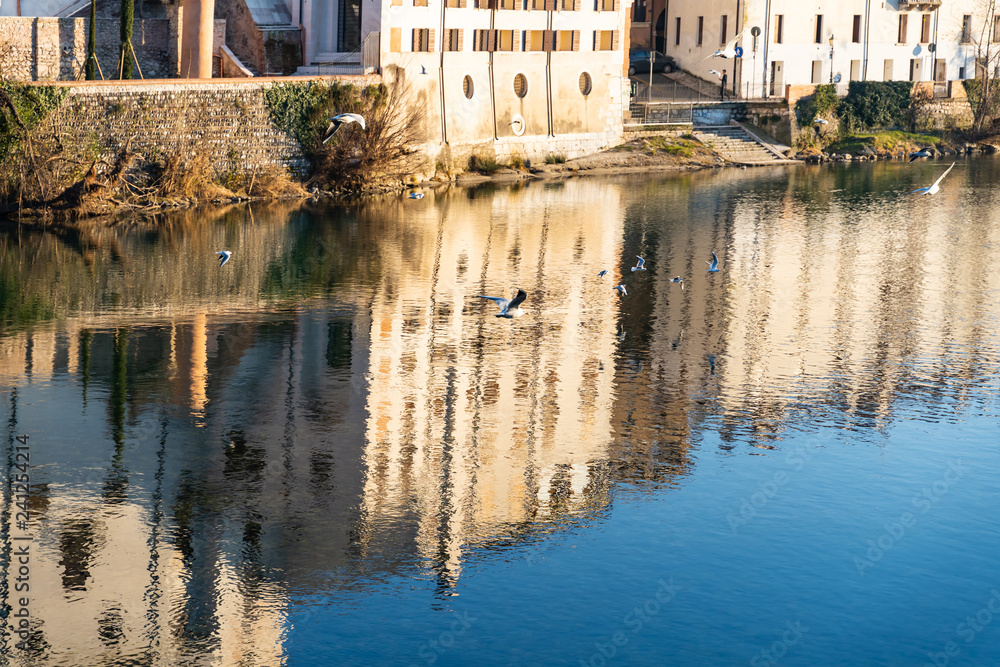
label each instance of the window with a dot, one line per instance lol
(722, 30)
(915, 69)
(677, 31)
(395, 40)
(521, 82)
(855, 70)
(887, 71)
(571, 5)
(925, 29)
(961, 72)
(497, 40)
(419, 3)
(453, 40)
(586, 85)
(607, 5)
(455, 4)
(966, 28)
(639, 11)
(539, 40)
(901, 37)
(567, 40)
(817, 71)
(467, 88)
(996, 28)
(856, 31)
(701, 29)
(422, 39)
(779, 28)
(605, 40)
(819, 28)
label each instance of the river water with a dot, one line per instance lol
(330, 452)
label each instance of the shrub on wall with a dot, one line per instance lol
(875, 104)
(304, 109)
(821, 102)
(22, 108)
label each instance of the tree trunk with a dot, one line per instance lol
(127, 16)
(92, 43)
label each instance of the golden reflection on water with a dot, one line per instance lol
(337, 400)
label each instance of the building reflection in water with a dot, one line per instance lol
(337, 407)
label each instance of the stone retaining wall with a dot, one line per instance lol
(226, 120)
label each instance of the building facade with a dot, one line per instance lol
(827, 41)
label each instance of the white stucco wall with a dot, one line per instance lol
(799, 50)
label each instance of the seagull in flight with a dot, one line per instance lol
(639, 266)
(224, 256)
(713, 266)
(341, 119)
(923, 152)
(728, 52)
(621, 290)
(603, 273)
(677, 280)
(933, 188)
(416, 195)
(821, 121)
(508, 307)
(715, 72)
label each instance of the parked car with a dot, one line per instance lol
(638, 61)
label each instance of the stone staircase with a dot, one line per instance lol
(737, 145)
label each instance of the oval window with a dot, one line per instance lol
(586, 85)
(467, 87)
(520, 85)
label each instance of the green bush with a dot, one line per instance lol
(484, 165)
(555, 158)
(875, 104)
(820, 102)
(33, 104)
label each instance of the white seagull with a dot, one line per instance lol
(821, 121)
(715, 72)
(224, 256)
(677, 280)
(416, 195)
(341, 119)
(621, 290)
(508, 307)
(923, 152)
(639, 265)
(713, 266)
(728, 52)
(603, 273)
(933, 188)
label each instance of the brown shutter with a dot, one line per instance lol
(614, 40)
(430, 39)
(461, 35)
(515, 40)
(549, 40)
(462, 4)
(550, 5)
(576, 40)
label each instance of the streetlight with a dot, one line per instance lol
(831, 57)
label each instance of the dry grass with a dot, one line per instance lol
(356, 159)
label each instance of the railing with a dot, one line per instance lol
(362, 60)
(660, 113)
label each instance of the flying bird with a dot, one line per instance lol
(416, 195)
(677, 280)
(713, 266)
(621, 290)
(639, 266)
(224, 256)
(923, 152)
(933, 188)
(603, 273)
(341, 119)
(715, 72)
(821, 121)
(508, 307)
(729, 51)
